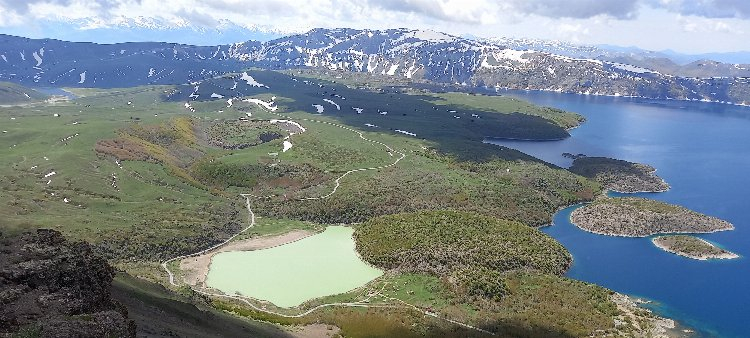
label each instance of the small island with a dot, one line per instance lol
(618, 175)
(692, 247)
(640, 217)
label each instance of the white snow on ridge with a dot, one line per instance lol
(23, 57)
(333, 103)
(37, 58)
(151, 72)
(427, 35)
(405, 132)
(319, 108)
(217, 96)
(511, 54)
(359, 110)
(412, 70)
(83, 77)
(234, 86)
(251, 81)
(392, 70)
(4, 58)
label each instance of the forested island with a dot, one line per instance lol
(640, 217)
(618, 175)
(692, 247)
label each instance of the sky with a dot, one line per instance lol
(688, 26)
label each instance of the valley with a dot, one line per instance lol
(149, 179)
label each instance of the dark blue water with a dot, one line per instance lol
(703, 151)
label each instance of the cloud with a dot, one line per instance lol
(579, 9)
(707, 8)
(462, 11)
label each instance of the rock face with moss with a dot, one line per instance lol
(640, 217)
(618, 175)
(692, 247)
(50, 287)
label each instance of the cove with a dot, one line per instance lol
(288, 275)
(703, 151)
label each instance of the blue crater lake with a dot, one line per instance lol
(703, 151)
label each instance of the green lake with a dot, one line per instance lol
(288, 275)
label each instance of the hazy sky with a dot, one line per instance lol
(692, 26)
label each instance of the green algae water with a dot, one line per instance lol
(288, 275)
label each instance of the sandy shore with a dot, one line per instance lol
(195, 269)
(725, 255)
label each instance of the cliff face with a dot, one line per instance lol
(50, 287)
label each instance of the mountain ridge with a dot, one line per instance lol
(405, 53)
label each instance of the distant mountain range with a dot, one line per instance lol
(735, 64)
(413, 54)
(148, 30)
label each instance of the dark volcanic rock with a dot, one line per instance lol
(55, 288)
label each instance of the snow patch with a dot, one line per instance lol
(371, 125)
(251, 81)
(319, 108)
(392, 70)
(217, 96)
(405, 132)
(359, 110)
(50, 174)
(268, 105)
(37, 58)
(4, 58)
(229, 103)
(151, 72)
(287, 146)
(333, 103)
(290, 122)
(83, 77)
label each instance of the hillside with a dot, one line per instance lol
(14, 94)
(402, 53)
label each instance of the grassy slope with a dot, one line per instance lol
(11, 93)
(159, 312)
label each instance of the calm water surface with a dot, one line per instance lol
(703, 151)
(288, 275)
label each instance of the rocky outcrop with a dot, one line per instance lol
(640, 217)
(50, 287)
(692, 247)
(618, 175)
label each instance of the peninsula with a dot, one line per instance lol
(618, 175)
(640, 217)
(692, 247)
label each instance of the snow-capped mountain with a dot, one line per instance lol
(151, 30)
(666, 62)
(410, 54)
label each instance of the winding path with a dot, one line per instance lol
(364, 303)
